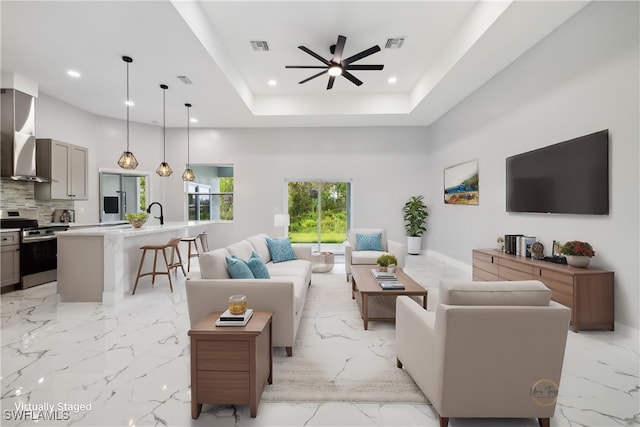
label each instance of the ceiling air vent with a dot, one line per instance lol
(186, 80)
(394, 43)
(259, 45)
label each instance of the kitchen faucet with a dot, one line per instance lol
(161, 217)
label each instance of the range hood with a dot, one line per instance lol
(18, 136)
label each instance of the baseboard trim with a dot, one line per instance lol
(452, 261)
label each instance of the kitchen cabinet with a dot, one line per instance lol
(588, 292)
(10, 258)
(66, 166)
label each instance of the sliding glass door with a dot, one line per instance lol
(319, 213)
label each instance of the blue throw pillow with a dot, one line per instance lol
(280, 249)
(238, 269)
(369, 242)
(257, 266)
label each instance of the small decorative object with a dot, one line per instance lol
(137, 219)
(537, 250)
(385, 260)
(500, 241)
(577, 253)
(237, 304)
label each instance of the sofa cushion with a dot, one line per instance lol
(369, 242)
(365, 257)
(351, 236)
(280, 249)
(241, 249)
(238, 269)
(298, 267)
(213, 264)
(260, 246)
(258, 267)
(524, 292)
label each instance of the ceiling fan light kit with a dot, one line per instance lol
(338, 66)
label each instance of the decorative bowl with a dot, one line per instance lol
(137, 223)
(578, 260)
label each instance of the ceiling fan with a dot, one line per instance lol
(338, 66)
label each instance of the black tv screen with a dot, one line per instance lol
(571, 177)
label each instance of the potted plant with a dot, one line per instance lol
(385, 261)
(415, 214)
(137, 219)
(500, 241)
(577, 253)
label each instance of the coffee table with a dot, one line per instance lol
(365, 286)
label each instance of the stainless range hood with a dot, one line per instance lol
(18, 136)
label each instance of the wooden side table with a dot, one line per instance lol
(230, 364)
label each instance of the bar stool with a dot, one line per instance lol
(193, 240)
(173, 244)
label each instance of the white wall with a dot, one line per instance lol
(581, 79)
(385, 166)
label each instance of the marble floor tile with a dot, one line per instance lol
(129, 366)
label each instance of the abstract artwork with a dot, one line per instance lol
(461, 184)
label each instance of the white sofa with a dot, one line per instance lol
(491, 349)
(284, 293)
(353, 256)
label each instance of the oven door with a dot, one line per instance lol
(38, 260)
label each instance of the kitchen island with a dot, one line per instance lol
(99, 264)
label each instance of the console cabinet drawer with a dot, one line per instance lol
(223, 387)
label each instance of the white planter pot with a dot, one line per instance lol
(413, 245)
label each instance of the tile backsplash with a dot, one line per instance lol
(20, 195)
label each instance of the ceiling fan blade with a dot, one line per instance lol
(305, 66)
(315, 55)
(361, 55)
(337, 54)
(313, 77)
(364, 67)
(331, 80)
(351, 78)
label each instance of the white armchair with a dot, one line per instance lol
(353, 255)
(491, 349)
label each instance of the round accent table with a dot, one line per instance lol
(322, 262)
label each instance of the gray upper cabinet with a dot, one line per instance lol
(66, 167)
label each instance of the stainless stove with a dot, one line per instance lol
(38, 246)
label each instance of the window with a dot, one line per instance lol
(210, 196)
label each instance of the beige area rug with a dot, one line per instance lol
(335, 359)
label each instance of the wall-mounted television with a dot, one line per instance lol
(570, 177)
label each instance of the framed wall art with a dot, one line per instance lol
(461, 184)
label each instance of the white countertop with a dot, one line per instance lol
(9, 230)
(127, 230)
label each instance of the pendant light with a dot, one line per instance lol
(127, 160)
(188, 174)
(164, 169)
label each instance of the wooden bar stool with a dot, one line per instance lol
(193, 240)
(173, 244)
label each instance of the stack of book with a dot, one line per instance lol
(228, 319)
(386, 280)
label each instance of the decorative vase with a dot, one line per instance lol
(578, 261)
(237, 304)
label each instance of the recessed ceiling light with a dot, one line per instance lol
(129, 103)
(392, 80)
(73, 73)
(194, 120)
(272, 82)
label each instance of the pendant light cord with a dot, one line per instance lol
(188, 140)
(164, 129)
(128, 106)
